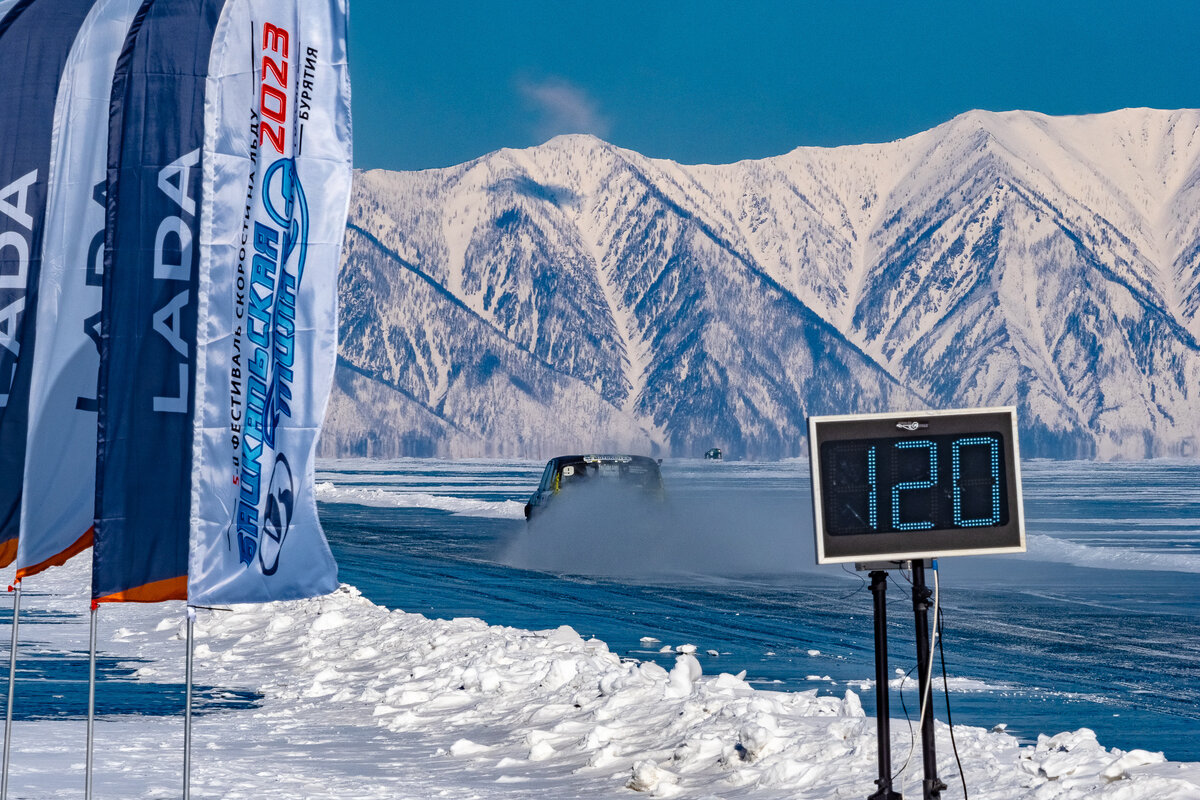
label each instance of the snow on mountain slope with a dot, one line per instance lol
(576, 295)
(422, 373)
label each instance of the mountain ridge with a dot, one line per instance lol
(625, 302)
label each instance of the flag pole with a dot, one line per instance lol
(187, 716)
(12, 675)
(91, 718)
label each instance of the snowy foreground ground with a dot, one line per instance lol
(361, 702)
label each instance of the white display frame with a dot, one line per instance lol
(929, 543)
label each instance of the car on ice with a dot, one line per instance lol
(566, 473)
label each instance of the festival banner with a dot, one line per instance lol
(146, 398)
(277, 169)
(60, 462)
(35, 38)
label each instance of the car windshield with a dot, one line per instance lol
(641, 475)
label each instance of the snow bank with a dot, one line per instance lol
(328, 492)
(1052, 548)
(363, 702)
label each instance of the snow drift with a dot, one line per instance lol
(358, 701)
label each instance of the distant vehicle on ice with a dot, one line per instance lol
(564, 473)
(713, 454)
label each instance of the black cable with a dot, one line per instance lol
(946, 689)
(862, 582)
(912, 739)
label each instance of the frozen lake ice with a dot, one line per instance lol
(1098, 625)
(724, 663)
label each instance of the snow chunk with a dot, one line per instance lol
(1070, 753)
(542, 751)
(756, 737)
(329, 621)
(465, 747)
(683, 676)
(649, 777)
(1120, 767)
(562, 672)
(852, 706)
(727, 682)
(565, 634)
(652, 671)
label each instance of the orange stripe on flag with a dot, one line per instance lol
(169, 589)
(8, 552)
(81, 544)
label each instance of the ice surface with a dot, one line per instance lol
(363, 702)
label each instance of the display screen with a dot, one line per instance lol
(887, 485)
(893, 487)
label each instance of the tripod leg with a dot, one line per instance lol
(882, 711)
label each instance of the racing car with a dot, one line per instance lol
(564, 473)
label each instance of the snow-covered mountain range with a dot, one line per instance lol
(578, 296)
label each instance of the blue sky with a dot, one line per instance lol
(439, 83)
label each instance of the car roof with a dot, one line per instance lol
(602, 459)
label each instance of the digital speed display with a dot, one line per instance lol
(901, 486)
(913, 484)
